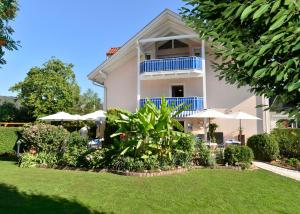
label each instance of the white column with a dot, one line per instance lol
(204, 85)
(138, 83)
(204, 74)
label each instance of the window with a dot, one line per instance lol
(172, 44)
(177, 91)
(147, 56)
(197, 52)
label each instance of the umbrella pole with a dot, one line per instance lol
(205, 130)
(240, 131)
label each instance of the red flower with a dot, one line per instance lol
(122, 136)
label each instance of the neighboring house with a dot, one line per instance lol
(167, 59)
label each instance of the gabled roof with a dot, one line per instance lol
(166, 15)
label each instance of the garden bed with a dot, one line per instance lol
(145, 173)
(282, 164)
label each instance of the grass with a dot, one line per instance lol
(198, 191)
(8, 138)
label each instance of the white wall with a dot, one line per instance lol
(159, 88)
(121, 86)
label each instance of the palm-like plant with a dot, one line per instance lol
(150, 131)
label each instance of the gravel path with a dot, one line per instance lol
(278, 170)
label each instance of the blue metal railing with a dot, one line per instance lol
(171, 64)
(194, 103)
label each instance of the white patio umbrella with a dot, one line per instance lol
(95, 116)
(60, 116)
(208, 114)
(242, 116)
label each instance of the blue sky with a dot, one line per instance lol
(75, 31)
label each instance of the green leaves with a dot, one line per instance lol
(8, 10)
(260, 73)
(149, 131)
(263, 9)
(275, 5)
(278, 23)
(258, 44)
(264, 48)
(247, 12)
(294, 86)
(278, 36)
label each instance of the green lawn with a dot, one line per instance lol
(198, 191)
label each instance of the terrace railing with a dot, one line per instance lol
(194, 103)
(171, 64)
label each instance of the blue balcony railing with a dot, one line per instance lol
(194, 103)
(171, 64)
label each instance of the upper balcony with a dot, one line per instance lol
(167, 68)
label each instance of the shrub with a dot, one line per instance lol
(288, 141)
(74, 151)
(264, 147)
(293, 162)
(8, 138)
(231, 154)
(202, 155)
(95, 159)
(128, 163)
(151, 163)
(245, 155)
(220, 156)
(28, 160)
(238, 155)
(183, 150)
(44, 137)
(111, 125)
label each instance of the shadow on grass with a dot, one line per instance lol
(13, 201)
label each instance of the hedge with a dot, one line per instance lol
(8, 138)
(288, 141)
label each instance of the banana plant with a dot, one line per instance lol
(150, 131)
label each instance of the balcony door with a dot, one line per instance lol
(177, 90)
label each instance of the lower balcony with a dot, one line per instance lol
(194, 103)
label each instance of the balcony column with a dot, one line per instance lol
(138, 83)
(204, 74)
(204, 85)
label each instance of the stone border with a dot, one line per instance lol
(146, 173)
(149, 173)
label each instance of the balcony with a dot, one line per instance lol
(171, 66)
(194, 103)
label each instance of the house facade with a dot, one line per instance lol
(167, 59)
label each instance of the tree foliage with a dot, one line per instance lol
(88, 102)
(8, 9)
(258, 42)
(9, 112)
(48, 89)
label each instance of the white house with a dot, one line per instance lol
(167, 59)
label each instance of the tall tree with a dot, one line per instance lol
(48, 89)
(8, 9)
(88, 102)
(258, 42)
